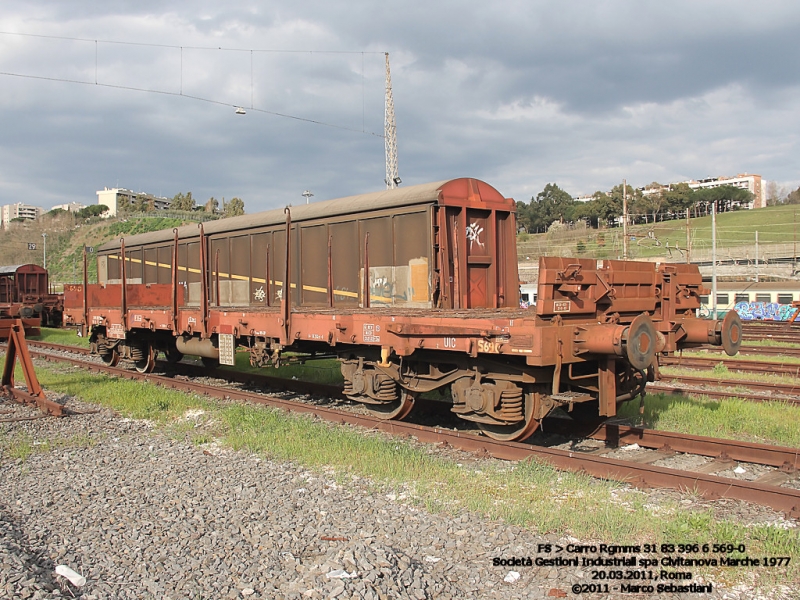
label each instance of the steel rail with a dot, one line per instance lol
(786, 459)
(672, 388)
(708, 362)
(786, 500)
(761, 350)
(790, 389)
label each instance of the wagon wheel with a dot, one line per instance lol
(396, 410)
(110, 357)
(209, 363)
(148, 362)
(173, 354)
(517, 431)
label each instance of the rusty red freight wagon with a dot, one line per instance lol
(413, 289)
(25, 293)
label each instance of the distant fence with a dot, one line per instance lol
(199, 216)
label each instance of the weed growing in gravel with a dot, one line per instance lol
(720, 369)
(770, 422)
(20, 446)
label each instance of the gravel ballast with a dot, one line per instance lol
(143, 515)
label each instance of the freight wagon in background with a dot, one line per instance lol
(25, 293)
(414, 290)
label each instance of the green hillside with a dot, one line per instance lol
(776, 227)
(66, 236)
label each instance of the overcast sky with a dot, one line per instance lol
(519, 94)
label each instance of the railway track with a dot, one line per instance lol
(776, 331)
(758, 350)
(748, 366)
(783, 463)
(788, 392)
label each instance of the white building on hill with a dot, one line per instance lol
(116, 198)
(751, 183)
(19, 210)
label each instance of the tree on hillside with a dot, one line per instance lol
(727, 198)
(549, 205)
(680, 197)
(775, 194)
(588, 211)
(93, 210)
(142, 203)
(608, 206)
(212, 206)
(648, 204)
(182, 201)
(233, 208)
(793, 197)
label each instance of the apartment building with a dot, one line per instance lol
(118, 198)
(19, 210)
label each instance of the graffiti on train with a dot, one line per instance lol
(765, 311)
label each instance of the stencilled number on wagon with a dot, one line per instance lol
(562, 306)
(488, 347)
(449, 342)
(371, 333)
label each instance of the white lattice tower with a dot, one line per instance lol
(390, 133)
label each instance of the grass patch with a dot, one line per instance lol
(767, 422)
(130, 398)
(67, 337)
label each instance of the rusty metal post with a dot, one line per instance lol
(35, 395)
(330, 271)
(175, 282)
(286, 294)
(367, 291)
(85, 326)
(456, 264)
(268, 284)
(216, 278)
(203, 282)
(444, 257)
(607, 384)
(124, 285)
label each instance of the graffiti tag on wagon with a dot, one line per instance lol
(765, 311)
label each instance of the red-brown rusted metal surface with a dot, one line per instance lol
(17, 348)
(31, 326)
(25, 293)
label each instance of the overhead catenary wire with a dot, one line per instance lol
(180, 93)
